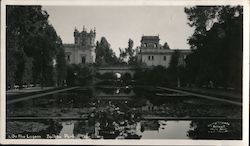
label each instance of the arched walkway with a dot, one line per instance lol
(125, 71)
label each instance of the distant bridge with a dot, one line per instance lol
(117, 69)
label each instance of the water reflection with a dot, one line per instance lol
(41, 129)
(123, 130)
(105, 91)
(143, 129)
(118, 113)
(168, 130)
(67, 129)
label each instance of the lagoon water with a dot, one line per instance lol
(107, 112)
(171, 130)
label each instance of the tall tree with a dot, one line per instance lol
(217, 45)
(22, 24)
(61, 67)
(104, 54)
(128, 55)
(31, 45)
(173, 70)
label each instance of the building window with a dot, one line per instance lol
(83, 59)
(148, 57)
(68, 58)
(164, 58)
(152, 57)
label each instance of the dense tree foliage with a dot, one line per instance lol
(151, 76)
(32, 45)
(173, 69)
(104, 54)
(80, 74)
(128, 55)
(166, 46)
(61, 66)
(176, 72)
(217, 45)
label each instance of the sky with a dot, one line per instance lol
(119, 23)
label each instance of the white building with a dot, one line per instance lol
(83, 49)
(152, 53)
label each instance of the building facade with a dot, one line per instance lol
(152, 53)
(83, 48)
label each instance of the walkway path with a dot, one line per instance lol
(203, 96)
(38, 95)
(229, 94)
(27, 90)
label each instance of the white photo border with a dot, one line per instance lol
(245, 107)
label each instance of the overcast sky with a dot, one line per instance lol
(119, 23)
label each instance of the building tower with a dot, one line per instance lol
(83, 49)
(152, 53)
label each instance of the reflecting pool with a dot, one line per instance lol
(107, 112)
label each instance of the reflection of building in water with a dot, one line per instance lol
(152, 53)
(166, 129)
(83, 48)
(67, 129)
(151, 107)
(84, 129)
(148, 107)
(149, 125)
(114, 92)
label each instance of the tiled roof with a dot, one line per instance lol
(184, 50)
(150, 38)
